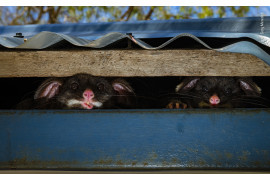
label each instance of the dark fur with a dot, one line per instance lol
(234, 92)
(107, 95)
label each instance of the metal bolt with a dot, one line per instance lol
(19, 35)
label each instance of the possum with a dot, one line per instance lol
(81, 91)
(216, 92)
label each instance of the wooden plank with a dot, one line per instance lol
(130, 63)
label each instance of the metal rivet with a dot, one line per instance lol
(19, 35)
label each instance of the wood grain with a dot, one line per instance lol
(130, 63)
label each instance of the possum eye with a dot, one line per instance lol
(228, 91)
(100, 86)
(74, 86)
(204, 89)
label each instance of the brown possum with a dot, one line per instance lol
(81, 91)
(216, 92)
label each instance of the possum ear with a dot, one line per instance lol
(126, 98)
(187, 84)
(249, 87)
(122, 87)
(48, 88)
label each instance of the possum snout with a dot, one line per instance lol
(88, 94)
(214, 100)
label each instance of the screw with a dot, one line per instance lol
(19, 35)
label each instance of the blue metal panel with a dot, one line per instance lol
(135, 139)
(225, 27)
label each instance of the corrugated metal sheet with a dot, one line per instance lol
(135, 139)
(251, 35)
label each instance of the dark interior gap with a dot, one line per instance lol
(14, 90)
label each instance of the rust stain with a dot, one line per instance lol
(175, 160)
(119, 162)
(257, 163)
(190, 164)
(193, 150)
(103, 162)
(165, 163)
(202, 162)
(154, 155)
(244, 156)
(8, 113)
(24, 162)
(218, 163)
(145, 164)
(228, 155)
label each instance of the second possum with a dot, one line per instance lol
(216, 92)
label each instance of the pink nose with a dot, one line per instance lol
(214, 99)
(88, 94)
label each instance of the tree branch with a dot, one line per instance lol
(41, 12)
(147, 17)
(58, 10)
(51, 14)
(127, 13)
(14, 21)
(57, 13)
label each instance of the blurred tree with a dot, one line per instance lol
(50, 15)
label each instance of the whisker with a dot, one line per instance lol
(190, 93)
(170, 98)
(253, 103)
(253, 96)
(181, 95)
(136, 96)
(252, 100)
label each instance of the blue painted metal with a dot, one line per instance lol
(212, 27)
(135, 139)
(99, 35)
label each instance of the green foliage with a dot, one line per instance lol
(41, 15)
(205, 12)
(240, 11)
(221, 11)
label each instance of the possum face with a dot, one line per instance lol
(84, 91)
(81, 91)
(217, 91)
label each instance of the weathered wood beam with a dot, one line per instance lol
(130, 63)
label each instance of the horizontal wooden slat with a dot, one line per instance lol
(130, 63)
